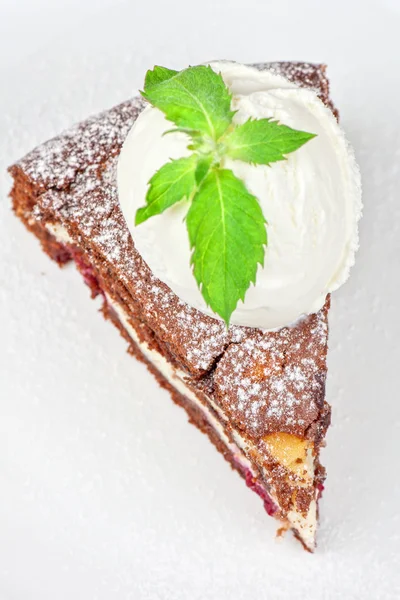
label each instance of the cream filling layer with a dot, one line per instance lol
(306, 526)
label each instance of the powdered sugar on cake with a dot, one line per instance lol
(76, 173)
(56, 163)
(276, 382)
(91, 205)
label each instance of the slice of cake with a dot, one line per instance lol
(258, 395)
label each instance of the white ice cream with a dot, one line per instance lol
(312, 202)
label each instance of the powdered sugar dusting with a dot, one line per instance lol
(89, 210)
(77, 174)
(57, 162)
(276, 381)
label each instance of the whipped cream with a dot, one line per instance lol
(312, 202)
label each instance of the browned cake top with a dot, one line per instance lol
(265, 381)
(276, 381)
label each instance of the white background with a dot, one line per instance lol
(105, 491)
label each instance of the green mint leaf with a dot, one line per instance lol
(227, 235)
(203, 166)
(173, 182)
(196, 98)
(263, 141)
(156, 76)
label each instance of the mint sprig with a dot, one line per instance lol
(226, 226)
(172, 183)
(263, 141)
(157, 76)
(194, 99)
(227, 235)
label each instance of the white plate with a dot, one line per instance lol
(105, 490)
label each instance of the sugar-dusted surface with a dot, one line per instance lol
(78, 170)
(276, 382)
(198, 340)
(56, 163)
(78, 462)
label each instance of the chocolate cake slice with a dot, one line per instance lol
(258, 396)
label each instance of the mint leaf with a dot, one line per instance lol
(263, 141)
(173, 182)
(203, 166)
(157, 75)
(195, 99)
(227, 235)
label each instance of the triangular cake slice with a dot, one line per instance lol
(258, 396)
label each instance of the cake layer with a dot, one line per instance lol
(260, 396)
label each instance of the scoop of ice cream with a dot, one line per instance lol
(312, 202)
